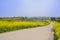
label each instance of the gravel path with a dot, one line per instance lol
(39, 33)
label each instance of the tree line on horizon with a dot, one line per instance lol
(30, 18)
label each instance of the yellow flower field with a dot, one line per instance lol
(15, 25)
(56, 28)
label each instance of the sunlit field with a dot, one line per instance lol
(56, 28)
(6, 26)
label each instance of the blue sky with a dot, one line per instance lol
(29, 8)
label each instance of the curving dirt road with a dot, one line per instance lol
(39, 33)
